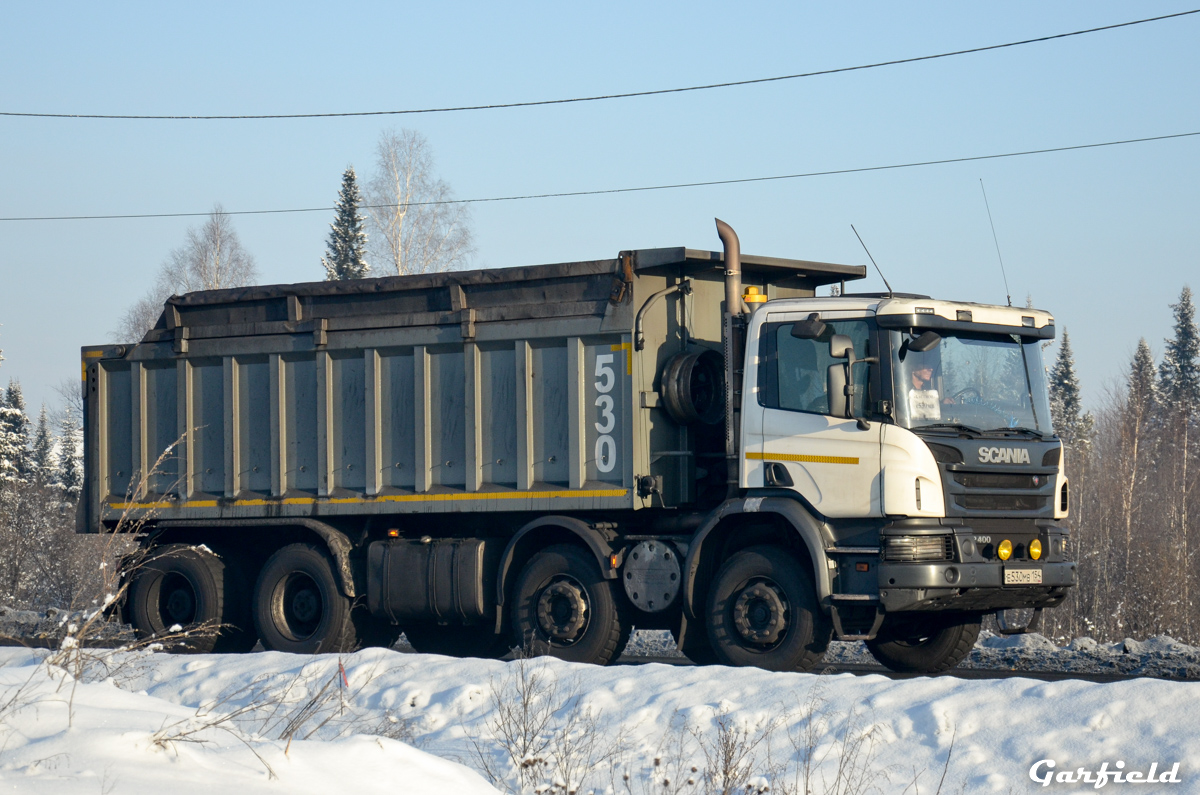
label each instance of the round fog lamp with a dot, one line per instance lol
(1035, 549)
(1005, 551)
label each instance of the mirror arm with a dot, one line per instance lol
(861, 422)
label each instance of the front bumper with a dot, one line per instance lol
(948, 585)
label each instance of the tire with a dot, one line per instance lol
(298, 606)
(926, 643)
(190, 587)
(763, 611)
(453, 641)
(564, 608)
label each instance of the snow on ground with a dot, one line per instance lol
(396, 722)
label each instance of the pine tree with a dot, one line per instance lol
(69, 472)
(346, 249)
(42, 454)
(14, 430)
(1143, 387)
(1179, 373)
(1066, 406)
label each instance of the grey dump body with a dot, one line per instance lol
(507, 390)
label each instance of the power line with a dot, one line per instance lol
(637, 189)
(600, 97)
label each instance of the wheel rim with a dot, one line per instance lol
(563, 610)
(176, 600)
(761, 614)
(298, 606)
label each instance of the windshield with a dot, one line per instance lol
(983, 381)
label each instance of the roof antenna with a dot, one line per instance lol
(997, 242)
(864, 245)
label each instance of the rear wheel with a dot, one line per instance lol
(455, 641)
(925, 643)
(763, 611)
(563, 607)
(298, 606)
(191, 598)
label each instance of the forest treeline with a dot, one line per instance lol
(1134, 466)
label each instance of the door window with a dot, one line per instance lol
(793, 372)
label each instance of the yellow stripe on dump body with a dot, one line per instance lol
(803, 459)
(479, 495)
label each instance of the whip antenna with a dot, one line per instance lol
(864, 245)
(996, 240)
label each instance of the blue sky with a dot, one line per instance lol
(1103, 238)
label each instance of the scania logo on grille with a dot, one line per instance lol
(1003, 455)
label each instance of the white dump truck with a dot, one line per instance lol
(549, 456)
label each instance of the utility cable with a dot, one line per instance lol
(601, 97)
(637, 189)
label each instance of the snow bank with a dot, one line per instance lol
(63, 737)
(445, 706)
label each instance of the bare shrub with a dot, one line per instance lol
(540, 738)
(732, 749)
(671, 768)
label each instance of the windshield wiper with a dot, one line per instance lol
(950, 426)
(1018, 429)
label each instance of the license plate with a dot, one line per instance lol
(1022, 576)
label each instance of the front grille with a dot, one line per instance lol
(914, 548)
(992, 480)
(999, 502)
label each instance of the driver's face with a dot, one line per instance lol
(921, 377)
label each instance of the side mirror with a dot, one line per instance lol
(809, 329)
(835, 384)
(841, 347)
(926, 342)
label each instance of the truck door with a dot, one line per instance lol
(831, 462)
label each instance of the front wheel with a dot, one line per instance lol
(298, 606)
(563, 607)
(763, 611)
(925, 643)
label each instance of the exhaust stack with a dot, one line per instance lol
(733, 342)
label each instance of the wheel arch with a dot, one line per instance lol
(746, 522)
(546, 531)
(285, 531)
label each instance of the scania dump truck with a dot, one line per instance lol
(550, 456)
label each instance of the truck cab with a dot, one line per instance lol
(918, 432)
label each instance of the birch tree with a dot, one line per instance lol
(413, 230)
(212, 258)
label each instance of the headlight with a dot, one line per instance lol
(914, 548)
(1005, 550)
(1035, 549)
